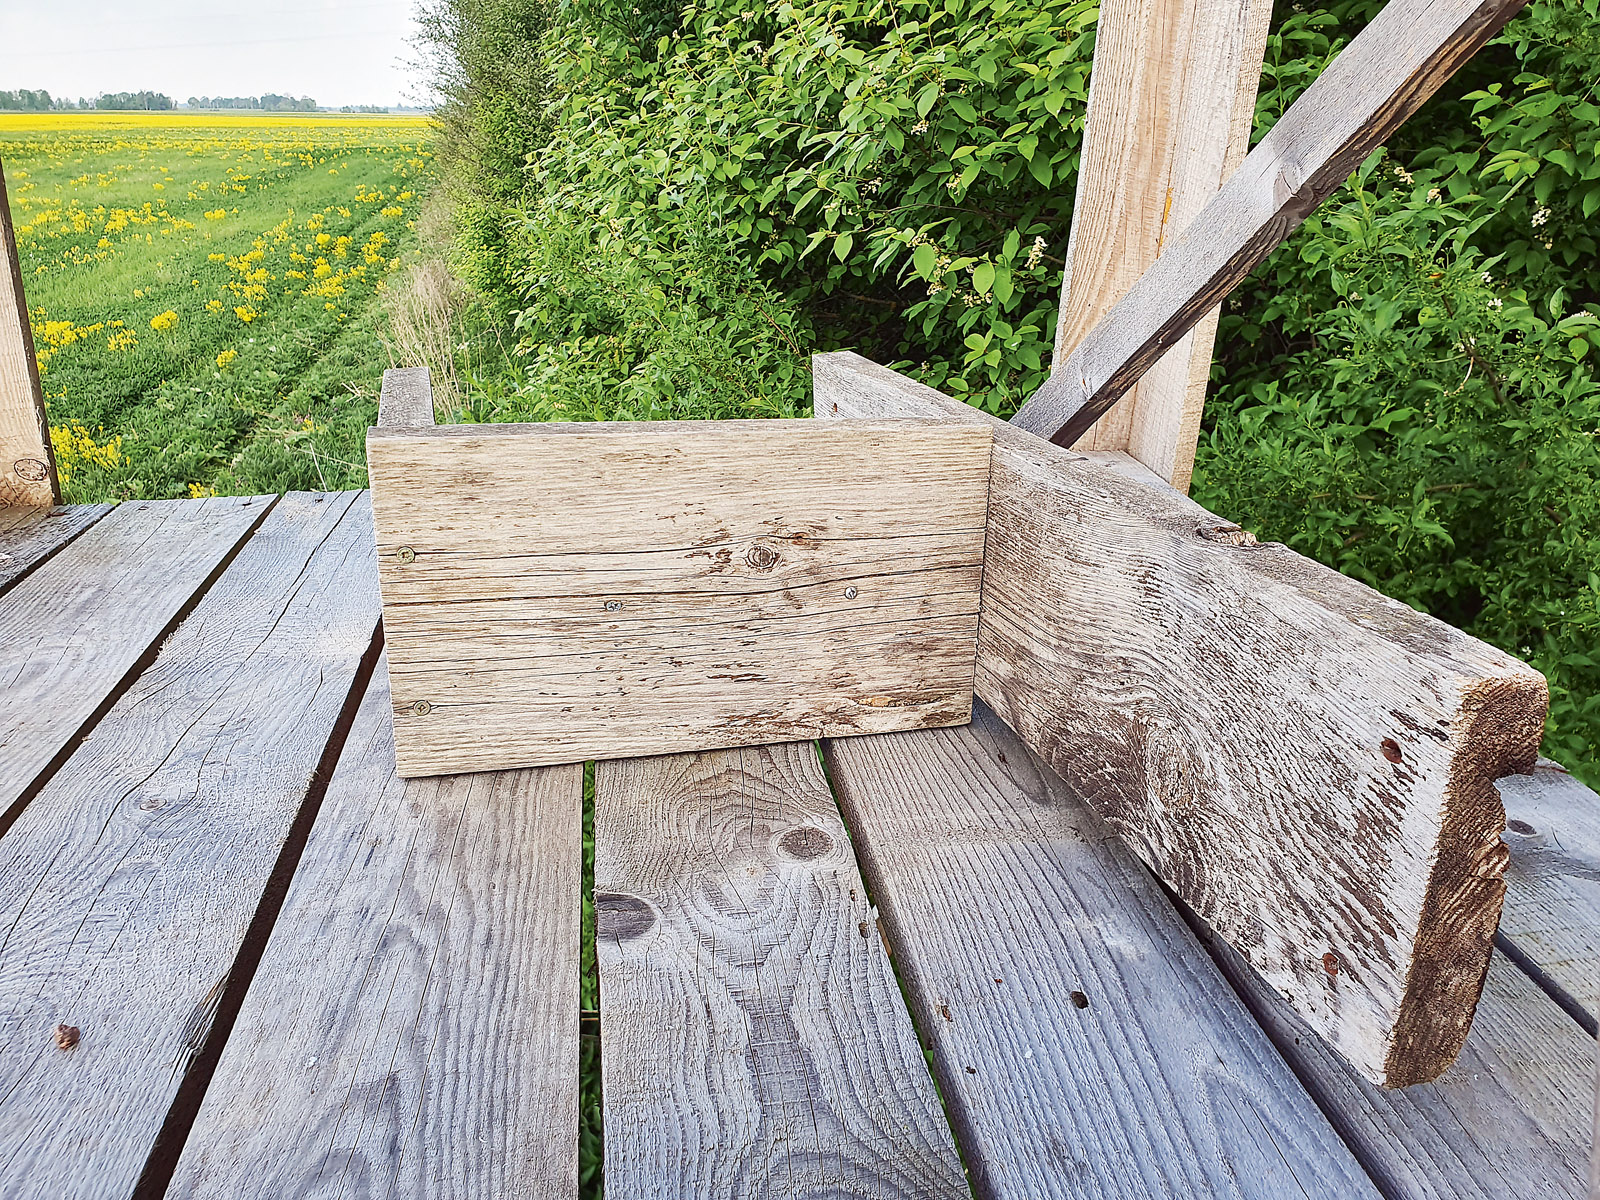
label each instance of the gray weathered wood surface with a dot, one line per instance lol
(27, 460)
(1383, 76)
(1309, 764)
(1510, 1118)
(1552, 911)
(406, 400)
(29, 534)
(128, 884)
(1085, 1043)
(72, 629)
(413, 1027)
(754, 1041)
(554, 593)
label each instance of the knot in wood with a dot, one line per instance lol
(761, 557)
(805, 843)
(32, 469)
(1521, 827)
(623, 917)
(1227, 535)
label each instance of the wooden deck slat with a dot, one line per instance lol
(29, 534)
(1004, 897)
(1511, 1117)
(413, 1026)
(128, 884)
(1552, 911)
(753, 1040)
(71, 631)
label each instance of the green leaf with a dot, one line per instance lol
(841, 246)
(963, 109)
(1039, 168)
(983, 278)
(923, 258)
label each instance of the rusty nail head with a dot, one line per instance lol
(1330, 963)
(850, 592)
(406, 554)
(67, 1036)
(613, 605)
(1391, 749)
(421, 708)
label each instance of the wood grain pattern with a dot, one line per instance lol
(560, 592)
(71, 630)
(1171, 98)
(1085, 1043)
(29, 534)
(754, 1041)
(27, 460)
(1552, 911)
(413, 1027)
(127, 885)
(1386, 72)
(1309, 764)
(1510, 1118)
(406, 400)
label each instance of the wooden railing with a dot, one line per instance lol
(27, 464)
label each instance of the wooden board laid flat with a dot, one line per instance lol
(1171, 97)
(412, 1029)
(559, 592)
(130, 882)
(1086, 1045)
(754, 1042)
(27, 460)
(1307, 763)
(30, 535)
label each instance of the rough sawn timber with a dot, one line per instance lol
(413, 1026)
(1381, 78)
(1171, 97)
(1307, 763)
(1084, 1041)
(27, 460)
(30, 535)
(755, 1043)
(129, 883)
(559, 592)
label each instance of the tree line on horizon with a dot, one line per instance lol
(40, 100)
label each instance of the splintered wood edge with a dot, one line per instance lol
(1498, 727)
(1503, 721)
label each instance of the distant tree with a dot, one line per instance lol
(134, 101)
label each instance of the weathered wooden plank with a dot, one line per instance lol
(406, 400)
(413, 1026)
(1171, 98)
(1552, 910)
(1309, 764)
(128, 884)
(28, 535)
(754, 1040)
(1511, 1117)
(27, 460)
(1084, 1042)
(1403, 55)
(72, 630)
(560, 592)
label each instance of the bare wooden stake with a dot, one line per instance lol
(1171, 99)
(27, 463)
(1384, 75)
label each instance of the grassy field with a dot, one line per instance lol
(206, 291)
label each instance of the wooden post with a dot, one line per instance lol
(27, 464)
(1170, 105)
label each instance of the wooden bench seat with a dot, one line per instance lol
(279, 970)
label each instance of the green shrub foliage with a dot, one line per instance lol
(707, 193)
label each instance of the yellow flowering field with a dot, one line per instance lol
(206, 291)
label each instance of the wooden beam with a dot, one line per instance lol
(27, 462)
(755, 1043)
(1308, 764)
(1171, 100)
(1072, 1017)
(406, 401)
(557, 592)
(438, 1040)
(1407, 51)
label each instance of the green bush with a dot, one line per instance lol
(1404, 390)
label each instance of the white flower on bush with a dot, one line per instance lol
(1035, 252)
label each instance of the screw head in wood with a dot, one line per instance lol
(67, 1036)
(421, 708)
(406, 554)
(850, 593)
(613, 605)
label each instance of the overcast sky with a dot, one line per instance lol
(352, 53)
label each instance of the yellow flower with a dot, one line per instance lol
(123, 339)
(213, 305)
(162, 322)
(245, 314)
(216, 214)
(226, 357)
